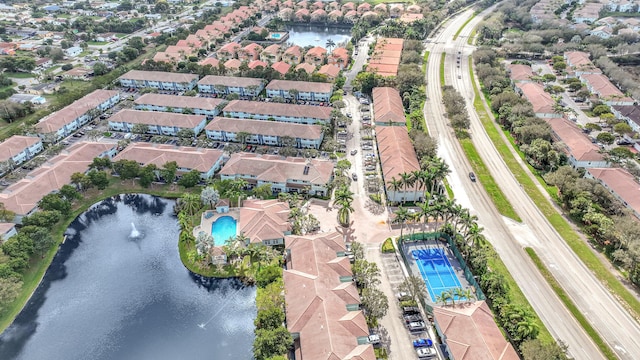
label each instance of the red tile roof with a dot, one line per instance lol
(396, 152)
(520, 72)
(232, 81)
(302, 86)
(621, 183)
(178, 101)
(387, 106)
(309, 68)
(472, 334)
(159, 76)
(262, 220)
(186, 157)
(601, 85)
(277, 109)
(316, 300)
(23, 196)
(15, 145)
(331, 71)
(255, 63)
(276, 169)
(269, 128)
(66, 115)
(540, 100)
(281, 67)
(157, 118)
(575, 140)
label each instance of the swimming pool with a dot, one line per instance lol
(223, 229)
(436, 271)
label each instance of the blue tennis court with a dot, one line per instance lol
(436, 271)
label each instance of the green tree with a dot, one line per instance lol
(44, 218)
(9, 291)
(414, 286)
(366, 273)
(559, 65)
(5, 214)
(147, 175)
(190, 179)
(269, 319)
(269, 343)
(622, 128)
(169, 171)
(55, 202)
(100, 163)
(98, 179)
(190, 203)
(601, 109)
(100, 69)
(537, 350)
(401, 217)
(127, 169)
(606, 138)
(263, 191)
(375, 303)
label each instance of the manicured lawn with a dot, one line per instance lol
(97, 42)
(593, 334)
(471, 37)
(18, 75)
(577, 244)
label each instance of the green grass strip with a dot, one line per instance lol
(517, 297)
(425, 61)
(575, 242)
(442, 69)
(484, 176)
(448, 188)
(471, 37)
(455, 36)
(593, 334)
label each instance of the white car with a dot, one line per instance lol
(426, 352)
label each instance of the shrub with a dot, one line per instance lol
(387, 246)
(376, 198)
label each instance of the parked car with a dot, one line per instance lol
(408, 310)
(426, 352)
(418, 343)
(354, 176)
(472, 176)
(354, 151)
(417, 326)
(623, 142)
(412, 318)
(374, 339)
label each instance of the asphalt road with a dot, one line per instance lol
(509, 237)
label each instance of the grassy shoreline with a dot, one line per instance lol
(38, 266)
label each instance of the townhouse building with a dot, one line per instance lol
(293, 55)
(544, 106)
(520, 72)
(315, 56)
(224, 85)
(228, 51)
(300, 114)
(580, 151)
(621, 184)
(600, 85)
(579, 63)
(262, 132)
(18, 149)
(397, 156)
(387, 107)
(250, 52)
(206, 161)
(7, 230)
(323, 312)
(166, 81)
(157, 123)
(294, 175)
(271, 54)
(264, 221)
(67, 120)
(629, 114)
(299, 90)
(208, 107)
(23, 196)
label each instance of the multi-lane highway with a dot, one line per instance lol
(610, 319)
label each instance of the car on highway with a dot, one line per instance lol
(472, 176)
(354, 176)
(459, 76)
(353, 152)
(426, 352)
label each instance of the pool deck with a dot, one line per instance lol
(207, 222)
(408, 247)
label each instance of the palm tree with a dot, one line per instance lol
(407, 181)
(402, 215)
(414, 286)
(416, 178)
(183, 220)
(526, 329)
(468, 294)
(425, 211)
(344, 212)
(343, 194)
(395, 186)
(190, 203)
(330, 44)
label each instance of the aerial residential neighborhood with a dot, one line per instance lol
(281, 179)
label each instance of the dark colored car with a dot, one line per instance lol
(472, 176)
(412, 318)
(409, 310)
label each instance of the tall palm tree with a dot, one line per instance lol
(416, 177)
(330, 44)
(402, 215)
(343, 194)
(474, 237)
(190, 203)
(425, 211)
(468, 294)
(407, 181)
(395, 185)
(344, 212)
(440, 170)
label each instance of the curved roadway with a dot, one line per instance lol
(604, 312)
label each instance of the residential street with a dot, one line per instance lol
(604, 312)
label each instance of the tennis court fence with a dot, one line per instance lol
(416, 237)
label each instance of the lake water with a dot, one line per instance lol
(306, 35)
(108, 295)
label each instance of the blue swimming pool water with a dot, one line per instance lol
(436, 271)
(222, 229)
